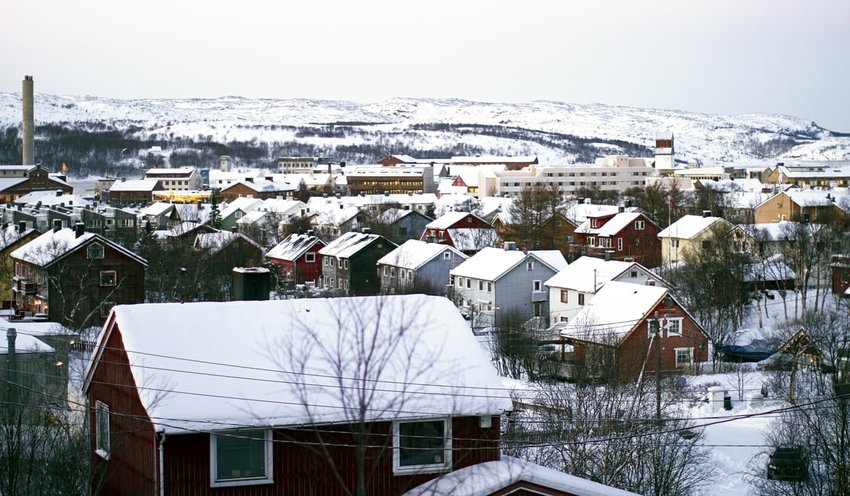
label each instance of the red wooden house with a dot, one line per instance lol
(840, 274)
(620, 236)
(298, 257)
(616, 334)
(462, 230)
(221, 398)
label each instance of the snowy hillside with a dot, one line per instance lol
(553, 131)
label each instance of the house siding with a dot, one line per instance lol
(513, 291)
(299, 468)
(132, 467)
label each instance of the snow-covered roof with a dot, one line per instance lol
(9, 182)
(689, 226)
(447, 220)
(489, 159)
(350, 243)
(214, 365)
(26, 344)
(615, 310)
(581, 211)
(176, 171)
(473, 238)
(243, 203)
(134, 185)
(486, 478)
(392, 215)
(617, 223)
(50, 198)
(293, 246)
(816, 197)
(491, 263)
(156, 209)
(587, 274)
(53, 245)
(777, 231)
(215, 242)
(265, 186)
(10, 234)
(413, 254)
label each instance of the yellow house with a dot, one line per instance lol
(10, 240)
(816, 206)
(689, 232)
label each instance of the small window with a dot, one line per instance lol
(674, 326)
(640, 225)
(651, 327)
(565, 296)
(581, 298)
(684, 356)
(422, 446)
(537, 285)
(241, 457)
(345, 263)
(674, 243)
(238, 214)
(107, 278)
(447, 255)
(529, 266)
(591, 241)
(480, 285)
(310, 257)
(386, 271)
(619, 244)
(489, 287)
(468, 283)
(102, 429)
(94, 251)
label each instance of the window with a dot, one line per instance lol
(619, 244)
(237, 214)
(529, 266)
(537, 285)
(94, 251)
(684, 356)
(107, 278)
(674, 326)
(489, 287)
(310, 257)
(468, 283)
(386, 270)
(591, 241)
(102, 429)
(674, 243)
(339, 263)
(345, 263)
(480, 285)
(633, 274)
(241, 458)
(651, 327)
(565, 296)
(447, 255)
(581, 298)
(640, 225)
(422, 446)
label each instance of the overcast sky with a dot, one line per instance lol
(717, 56)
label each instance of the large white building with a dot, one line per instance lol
(615, 173)
(177, 179)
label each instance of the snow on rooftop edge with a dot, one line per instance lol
(436, 357)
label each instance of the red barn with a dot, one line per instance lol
(298, 257)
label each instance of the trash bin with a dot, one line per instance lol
(727, 402)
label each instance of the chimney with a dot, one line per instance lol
(251, 283)
(510, 246)
(706, 213)
(225, 163)
(311, 232)
(79, 229)
(366, 230)
(22, 226)
(57, 224)
(29, 122)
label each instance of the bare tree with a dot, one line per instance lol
(536, 204)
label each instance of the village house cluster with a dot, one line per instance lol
(425, 254)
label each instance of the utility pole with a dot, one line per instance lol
(658, 369)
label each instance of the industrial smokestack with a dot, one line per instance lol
(29, 122)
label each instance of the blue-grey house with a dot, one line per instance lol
(418, 266)
(505, 280)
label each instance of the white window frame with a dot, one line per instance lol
(95, 246)
(445, 466)
(581, 299)
(447, 255)
(310, 257)
(107, 272)
(674, 242)
(529, 266)
(102, 439)
(640, 225)
(267, 479)
(537, 285)
(679, 321)
(619, 244)
(690, 352)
